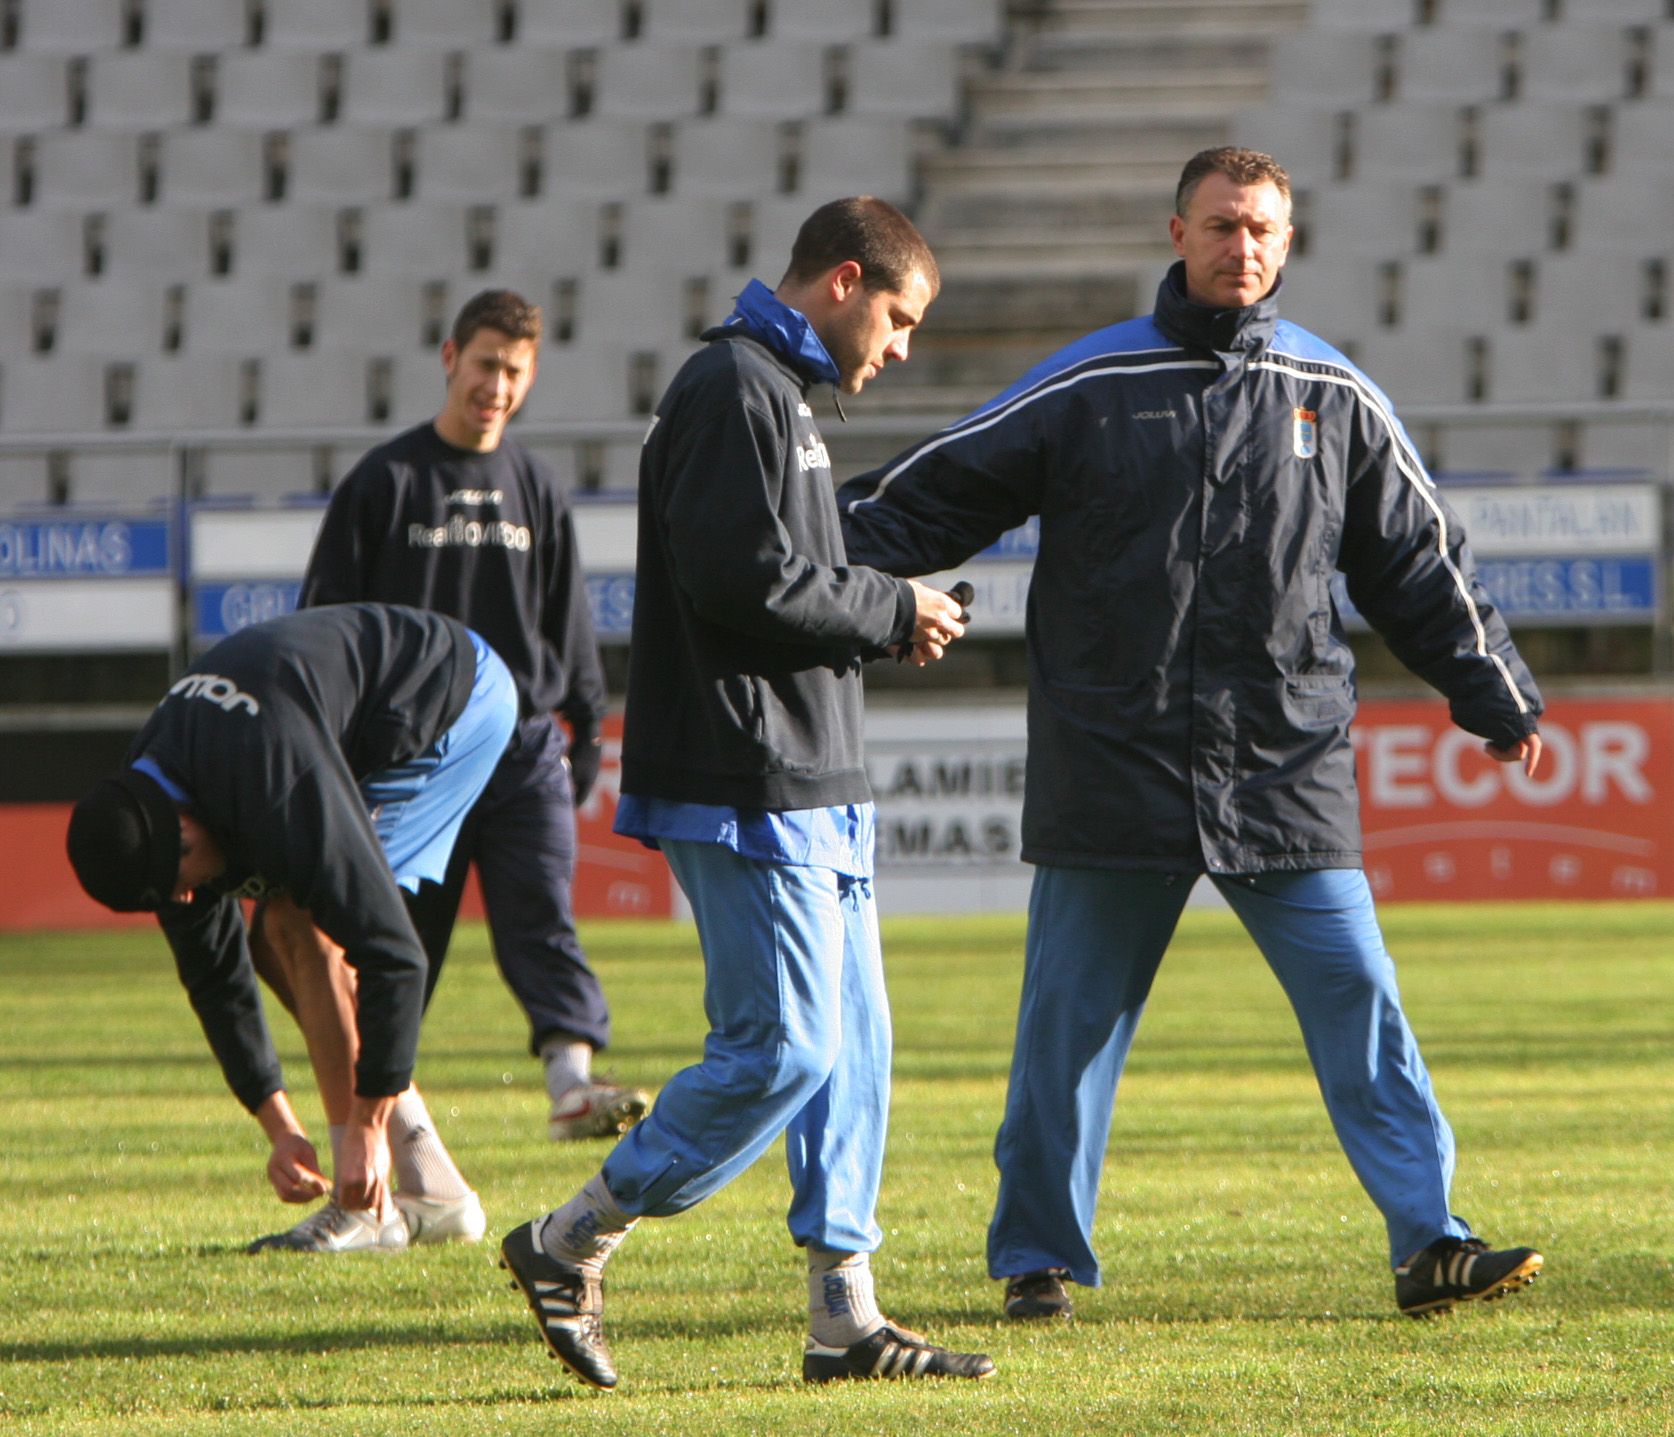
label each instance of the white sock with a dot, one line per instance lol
(423, 1165)
(337, 1130)
(842, 1308)
(586, 1229)
(569, 1064)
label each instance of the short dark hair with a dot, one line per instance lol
(124, 842)
(874, 234)
(501, 309)
(1241, 166)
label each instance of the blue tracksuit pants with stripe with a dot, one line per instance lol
(799, 1043)
(1095, 940)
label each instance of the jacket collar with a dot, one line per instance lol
(1226, 331)
(782, 330)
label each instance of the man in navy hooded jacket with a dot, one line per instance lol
(1199, 475)
(741, 760)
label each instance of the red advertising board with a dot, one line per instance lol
(1444, 821)
(614, 876)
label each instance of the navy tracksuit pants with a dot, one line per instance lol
(522, 835)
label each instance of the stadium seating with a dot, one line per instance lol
(36, 91)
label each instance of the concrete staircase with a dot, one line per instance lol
(1049, 210)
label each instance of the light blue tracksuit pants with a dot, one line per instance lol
(1095, 940)
(799, 1043)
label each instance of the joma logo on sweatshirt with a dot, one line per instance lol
(222, 692)
(815, 456)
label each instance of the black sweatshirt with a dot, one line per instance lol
(487, 538)
(269, 734)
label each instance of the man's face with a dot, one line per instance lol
(201, 859)
(487, 380)
(1234, 240)
(868, 328)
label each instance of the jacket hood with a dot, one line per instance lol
(783, 330)
(1201, 326)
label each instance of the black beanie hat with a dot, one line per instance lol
(124, 843)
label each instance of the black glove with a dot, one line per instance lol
(586, 754)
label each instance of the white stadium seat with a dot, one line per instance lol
(822, 20)
(568, 22)
(1492, 14)
(903, 77)
(85, 169)
(553, 236)
(157, 243)
(1449, 293)
(340, 164)
(51, 394)
(852, 156)
(1369, 218)
(372, 315)
(317, 26)
(1336, 298)
(1420, 143)
(38, 245)
(71, 27)
(140, 90)
(1330, 67)
(395, 86)
(213, 167)
(419, 238)
(597, 158)
(702, 22)
(764, 80)
(1545, 364)
(1477, 215)
(950, 21)
(469, 164)
(1625, 444)
(1642, 138)
(313, 390)
(727, 157)
(1590, 292)
(1576, 61)
(521, 84)
(1303, 138)
(1452, 66)
(247, 315)
(645, 81)
(36, 91)
(198, 27)
(1628, 214)
(446, 24)
(294, 241)
(1416, 369)
(1547, 141)
(257, 89)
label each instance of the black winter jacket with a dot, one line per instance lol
(1199, 476)
(744, 676)
(270, 733)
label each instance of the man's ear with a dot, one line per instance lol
(845, 279)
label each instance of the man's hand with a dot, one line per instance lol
(586, 755)
(936, 623)
(363, 1170)
(1525, 751)
(293, 1167)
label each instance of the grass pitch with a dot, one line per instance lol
(1246, 1290)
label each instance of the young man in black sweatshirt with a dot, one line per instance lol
(455, 516)
(322, 762)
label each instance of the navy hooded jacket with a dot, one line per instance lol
(1199, 476)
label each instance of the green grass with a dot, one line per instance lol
(1246, 1290)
